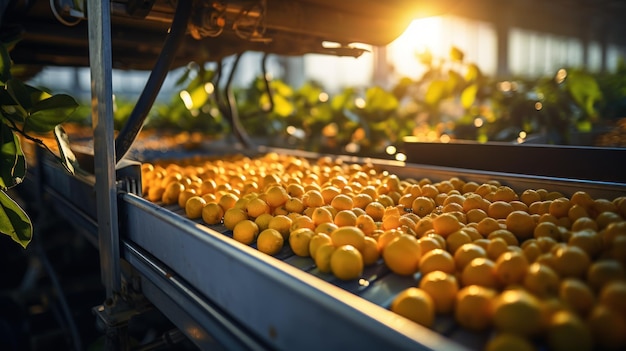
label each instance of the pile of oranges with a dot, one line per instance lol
(536, 266)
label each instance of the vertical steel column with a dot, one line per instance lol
(99, 19)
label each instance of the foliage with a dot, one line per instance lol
(24, 110)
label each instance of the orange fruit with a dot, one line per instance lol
(475, 215)
(317, 240)
(424, 226)
(322, 215)
(499, 209)
(348, 235)
(256, 207)
(361, 200)
(567, 332)
(582, 199)
(245, 231)
(613, 295)
(423, 205)
(172, 192)
(446, 224)
(505, 234)
(276, 195)
(341, 202)
(263, 221)
(608, 328)
(322, 257)
(547, 229)
(427, 244)
(509, 342)
(269, 241)
(313, 198)
(487, 225)
(577, 211)
(345, 218)
(466, 253)
(560, 207)
(437, 260)
(442, 288)
(193, 207)
(474, 307)
(346, 262)
(521, 224)
(577, 295)
(415, 304)
(604, 271)
(212, 213)
(511, 268)
(531, 251)
(366, 223)
(480, 271)
(588, 240)
(456, 240)
(375, 210)
(496, 247)
(282, 224)
(370, 252)
(571, 261)
(402, 254)
(299, 241)
(517, 311)
(227, 201)
(541, 280)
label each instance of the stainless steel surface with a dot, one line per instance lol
(104, 151)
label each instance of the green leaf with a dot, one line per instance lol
(436, 92)
(48, 113)
(473, 73)
(12, 161)
(378, 99)
(585, 90)
(456, 54)
(14, 222)
(20, 93)
(468, 96)
(68, 159)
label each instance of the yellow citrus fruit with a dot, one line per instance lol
(567, 332)
(370, 251)
(571, 261)
(560, 207)
(299, 240)
(487, 225)
(342, 202)
(577, 295)
(375, 210)
(437, 260)
(326, 228)
(263, 221)
(345, 218)
(499, 209)
(509, 342)
(193, 207)
(361, 200)
(318, 240)
(415, 304)
(301, 221)
(402, 254)
(212, 213)
(613, 295)
(322, 257)
(232, 216)
(313, 198)
(504, 193)
(608, 328)
(386, 237)
(228, 201)
(366, 223)
(474, 307)
(442, 288)
(423, 206)
(270, 241)
(446, 224)
(424, 226)
(349, 235)
(276, 196)
(466, 253)
(547, 229)
(480, 271)
(511, 268)
(171, 193)
(245, 231)
(294, 205)
(184, 196)
(541, 280)
(256, 207)
(505, 234)
(282, 223)
(604, 271)
(521, 224)
(427, 244)
(517, 311)
(321, 215)
(346, 262)
(457, 239)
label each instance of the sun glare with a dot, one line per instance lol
(421, 35)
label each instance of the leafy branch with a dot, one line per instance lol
(25, 109)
